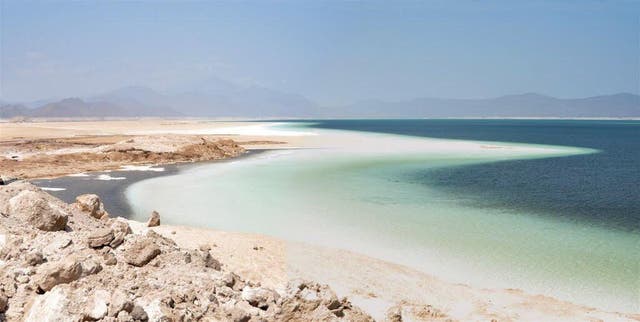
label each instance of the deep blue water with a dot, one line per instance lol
(601, 188)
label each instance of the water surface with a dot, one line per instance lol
(485, 213)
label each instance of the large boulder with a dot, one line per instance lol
(36, 210)
(92, 205)
(141, 253)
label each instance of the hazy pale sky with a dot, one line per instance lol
(330, 51)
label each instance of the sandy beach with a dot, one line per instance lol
(375, 285)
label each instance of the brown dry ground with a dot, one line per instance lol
(50, 149)
(40, 158)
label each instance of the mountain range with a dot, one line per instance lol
(218, 98)
(523, 105)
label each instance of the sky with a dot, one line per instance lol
(332, 52)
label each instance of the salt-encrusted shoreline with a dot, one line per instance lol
(113, 192)
(380, 288)
(92, 266)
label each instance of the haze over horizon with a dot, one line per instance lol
(331, 53)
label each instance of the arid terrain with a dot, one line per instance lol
(73, 147)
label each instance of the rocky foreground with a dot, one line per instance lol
(73, 262)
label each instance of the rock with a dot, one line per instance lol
(50, 307)
(211, 262)
(124, 316)
(141, 253)
(121, 225)
(90, 267)
(56, 245)
(259, 297)
(329, 298)
(119, 302)
(37, 211)
(97, 305)
(34, 259)
(158, 309)
(229, 279)
(138, 313)
(100, 237)
(54, 273)
(4, 303)
(109, 259)
(92, 205)
(118, 239)
(238, 315)
(154, 219)
(121, 230)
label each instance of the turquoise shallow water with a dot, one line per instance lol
(358, 198)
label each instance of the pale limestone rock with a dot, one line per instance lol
(119, 302)
(124, 316)
(90, 267)
(120, 230)
(34, 258)
(154, 219)
(109, 259)
(100, 237)
(211, 262)
(50, 307)
(54, 273)
(92, 205)
(154, 311)
(141, 253)
(97, 305)
(138, 313)
(37, 211)
(56, 245)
